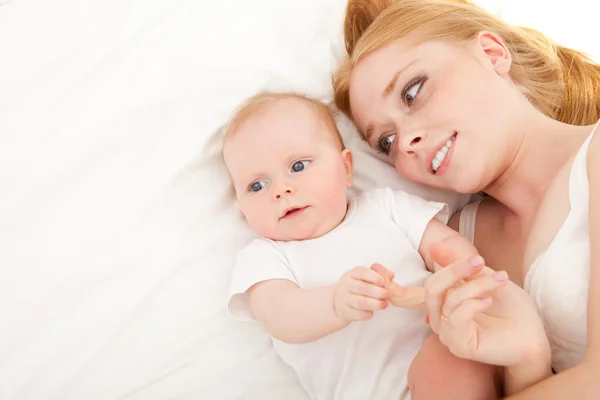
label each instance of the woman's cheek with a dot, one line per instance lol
(409, 170)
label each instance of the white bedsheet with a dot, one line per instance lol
(117, 223)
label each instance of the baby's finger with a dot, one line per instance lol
(366, 303)
(367, 275)
(359, 315)
(474, 289)
(363, 288)
(387, 274)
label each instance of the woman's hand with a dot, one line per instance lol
(481, 315)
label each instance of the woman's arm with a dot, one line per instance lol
(583, 380)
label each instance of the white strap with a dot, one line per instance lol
(466, 221)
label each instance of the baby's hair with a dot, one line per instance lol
(253, 105)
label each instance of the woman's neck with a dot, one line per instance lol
(545, 147)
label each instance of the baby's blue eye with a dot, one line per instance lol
(258, 186)
(300, 165)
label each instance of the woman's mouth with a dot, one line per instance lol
(441, 155)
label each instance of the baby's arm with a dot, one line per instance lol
(295, 315)
(436, 232)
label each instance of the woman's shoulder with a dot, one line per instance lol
(499, 238)
(487, 212)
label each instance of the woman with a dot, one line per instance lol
(460, 100)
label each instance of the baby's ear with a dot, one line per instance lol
(349, 164)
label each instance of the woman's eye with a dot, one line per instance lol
(411, 91)
(300, 166)
(385, 143)
(258, 186)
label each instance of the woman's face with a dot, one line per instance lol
(441, 111)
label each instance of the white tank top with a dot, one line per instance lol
(558, 279)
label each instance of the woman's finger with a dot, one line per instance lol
(442, 255)
(412, 297)
(467, 311)
(461, 323)
(475, 289)
(438, 284)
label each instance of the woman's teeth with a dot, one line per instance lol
(441, 155)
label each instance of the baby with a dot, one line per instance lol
(316, 279)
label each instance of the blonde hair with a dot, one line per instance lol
(260, 101)
(560, 82)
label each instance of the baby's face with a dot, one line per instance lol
(289, 173)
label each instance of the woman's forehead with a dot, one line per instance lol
(380, 73)
(399, 54)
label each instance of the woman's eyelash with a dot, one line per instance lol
(385, 143)
(419, 80)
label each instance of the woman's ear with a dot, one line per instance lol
(495, 51)
(349, 164)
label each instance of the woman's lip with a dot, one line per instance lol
(435, 150)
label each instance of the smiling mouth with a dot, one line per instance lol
(293, 212)
(440, 156)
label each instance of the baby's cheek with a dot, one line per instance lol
(252, 215)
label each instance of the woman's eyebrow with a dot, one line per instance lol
(392, 84)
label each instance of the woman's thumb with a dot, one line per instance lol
(442, 254)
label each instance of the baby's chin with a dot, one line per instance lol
(299, 234)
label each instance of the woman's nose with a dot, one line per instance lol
(411, 141)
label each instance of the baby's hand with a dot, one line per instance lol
(412, 297)
(358, 293)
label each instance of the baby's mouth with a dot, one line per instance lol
(293, 212)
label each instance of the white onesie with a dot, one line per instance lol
(366, 360)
